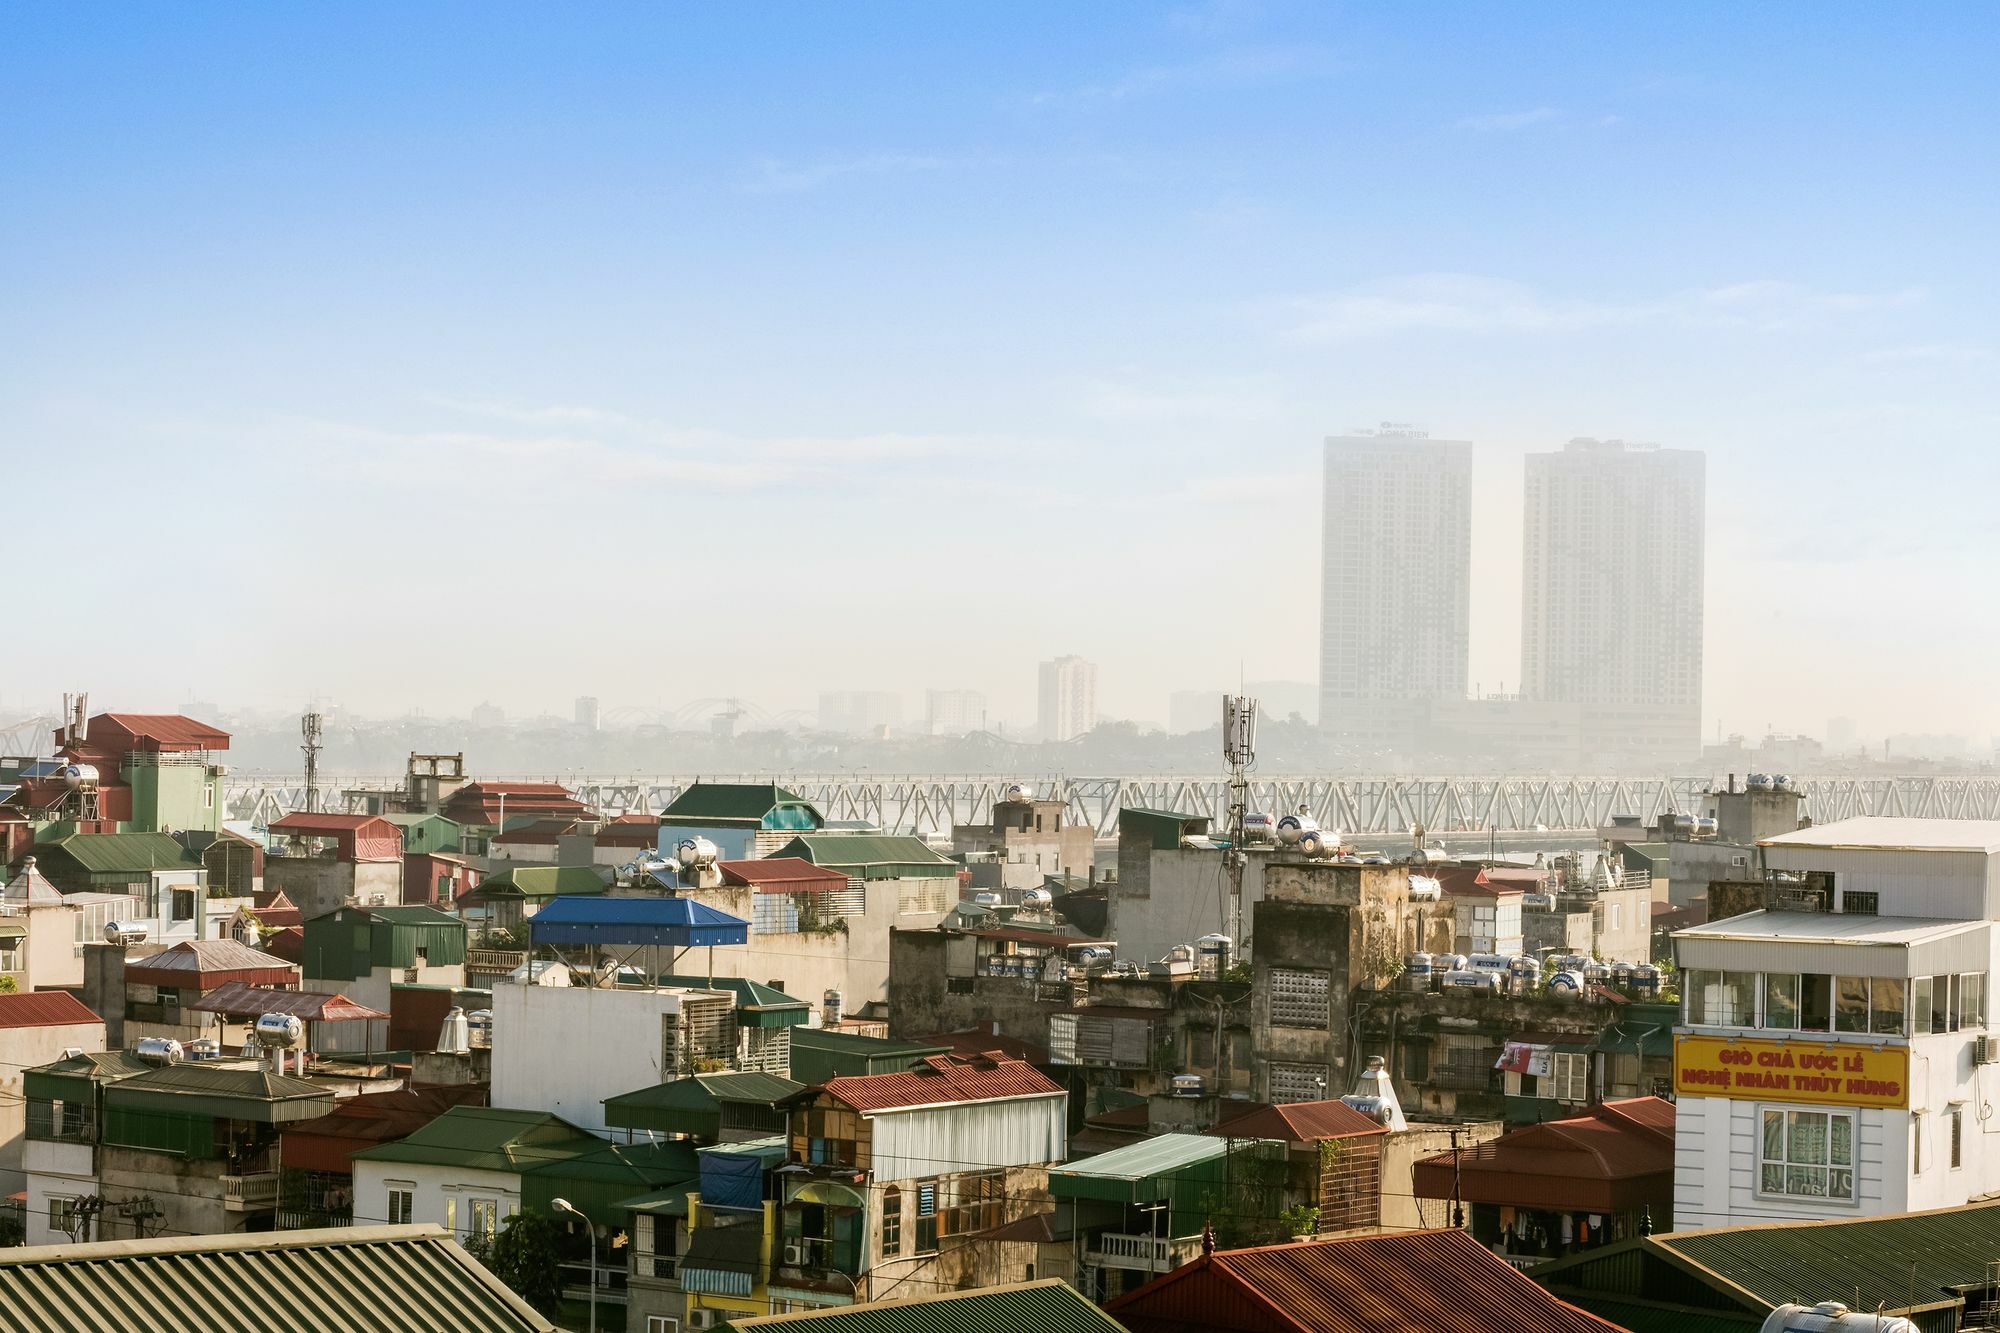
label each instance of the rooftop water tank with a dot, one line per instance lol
(78, 775)
(158, 1051)
(1565, 985)
(696, 852)
(455, 1037)
(831, 1005)
(1293, 827)
(279, 1032)
(1037, 900)
(1832, 1317)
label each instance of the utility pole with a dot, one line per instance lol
(1239, 748)
(1457, 1208)
(310, 727)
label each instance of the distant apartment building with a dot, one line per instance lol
(954, 712)
(1611, 611)
(1067, 699)
(1396, 562)
(859, 712)
(586, 712)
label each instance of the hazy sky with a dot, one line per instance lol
(430, 354)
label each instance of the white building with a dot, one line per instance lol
(1832, 1054)
(860, 712)
(954, 712)
(1611, 600)
(1395, 573)
(463, 1170)
(1067, 698)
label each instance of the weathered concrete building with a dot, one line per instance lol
(330, 861)
(1032, 839)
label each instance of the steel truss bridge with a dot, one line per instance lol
(1357, 806)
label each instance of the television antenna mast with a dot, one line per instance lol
(1239, 748)
(310, 726)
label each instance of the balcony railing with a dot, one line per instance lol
(1149, 1254)
(494, 960)
(253, 1193)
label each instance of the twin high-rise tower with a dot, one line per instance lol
(1611, 614)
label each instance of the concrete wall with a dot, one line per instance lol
(564, 1049)
(1401, 1209)
(21, 1049)
(317, 884)
(1163, 898)
(921, 1000)
(187, 1194)
(433, 1186)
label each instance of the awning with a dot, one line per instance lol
(829, 1194)
(678, 923)
(11, 929)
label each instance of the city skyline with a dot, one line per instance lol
(502, 301)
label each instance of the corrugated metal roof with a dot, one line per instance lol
(1882, 1256)
(540, 882)
(192, 957)
(940, 1079)
(1048, 1306)
(1143, 1160)
(889, 854)
(323, 822)
(1828, 928)
(1895, 833)
(749, 994)
(746, 802)
(781, 874)
(679, 922)
(44, 1009)
(124, 853)
(1439, 1281)
(237, 999)
(1299, 1122)
(489, 1138)
(157, 731)
(408, 1279)
(1604, 1162)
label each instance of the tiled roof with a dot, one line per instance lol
(1299, 1122)
(781, 874)
(939, 1079)
(159, 731)
(408, 1279)
(44, 1009)
(1048, 1306)
(1439, 1281)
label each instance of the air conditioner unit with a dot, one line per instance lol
(795, 1255)
(1986, 1051)
(701, 1319)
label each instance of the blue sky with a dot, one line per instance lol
(416, 354)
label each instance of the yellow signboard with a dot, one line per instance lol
(1825, 1073)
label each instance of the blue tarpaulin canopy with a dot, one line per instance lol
(679, 923)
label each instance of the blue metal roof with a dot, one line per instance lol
(678, 922)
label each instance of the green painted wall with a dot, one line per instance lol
(174, 797)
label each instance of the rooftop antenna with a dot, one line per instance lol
(1239, 748)
(310, 726)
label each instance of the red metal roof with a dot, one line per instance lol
(542, 830)
(1616, 1159)
(288, 944)
(1299, 1122)
(327, 1142)
(781, 874)
(206, 964)
(1481, 881)
(479, 802)
(44, 1009)
(274, 909)
(320, 822)
(1438, 1281)
(153, 731)
(238, 1000)
(359, 837)
(943, 1078)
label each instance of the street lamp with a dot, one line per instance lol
(590, 1234)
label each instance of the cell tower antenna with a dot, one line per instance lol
(1239, 749)
(310, 726)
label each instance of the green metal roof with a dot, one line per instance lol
(669, 1202)
(1164, 827)
(408, 1279)
(754, 1000)
(225, 1092)
(541, 882)
(871, 856)
(692, 1105)
(1134, 1174)
(124, 853)
(599, 1180)
(859, 1044)
(818, 1054)
(1048, 1306)
(1883, 1256)
(729, 803)
(74, 1075)
(488, 1138)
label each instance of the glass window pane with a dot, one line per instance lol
(1841, 1151)
(1815, 1002)
(1972, 1000)
(1774, 1136)
(1781, 1001)
(1940, 1004)
(1701, 987)
(1773, 1178)
(1842, 1185)
(1885, 1012)
(1739, 999)
(1808, 1138)
(1850, 1004)
(1920, 1005)
(1809, 1181)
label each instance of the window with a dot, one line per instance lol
(1957, 1139)
(451, 1214)
(1856, 903)
(975, 1203)
(484, 1214)
(1972, 999)
(1885, 1007)
(1815, 1002)
(1850, 1004)
(661, 1323)
(183, 905)
(892, 1221)
(1941, 1005)
(1808, 1154)
(1613, 911)
(927, 1224)
(1569, 1076)
(1722, 999)
(62, 1213)
(402, 1199)
(1916, 1144)
(10, 955)
(1781, 1000)
(1920, 1006)
(1299, 998)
